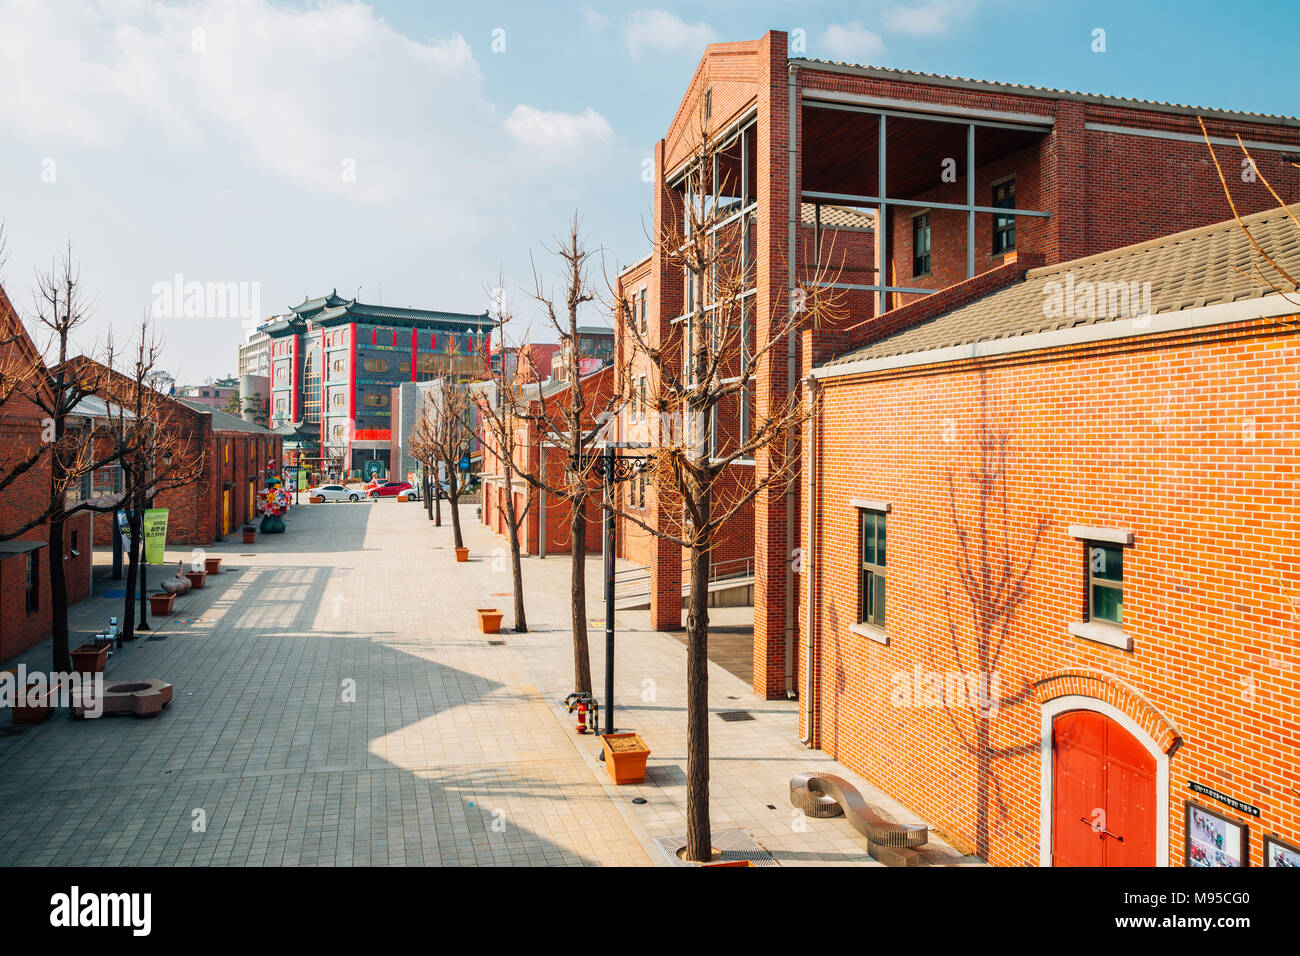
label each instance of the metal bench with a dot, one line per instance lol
(826, 795)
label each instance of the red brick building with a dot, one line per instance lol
(25, 618)
(547, 526)
(957, 177)
(1056, 582)
(238, 457)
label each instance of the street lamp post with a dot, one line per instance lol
(611, 468)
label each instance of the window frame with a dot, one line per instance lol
(922, 217)
(869, 571)
(1004, 224)
(1093, 582)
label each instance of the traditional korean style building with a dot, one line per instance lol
(334, 363)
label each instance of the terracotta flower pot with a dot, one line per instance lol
(212, 565)
(197, 578)
(161, 603)
(90, 658)
(250, 537)
(30, 712)
(489, 620)
(625, 757)
(462, 554)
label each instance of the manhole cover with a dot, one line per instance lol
(249, 555)
(157, 637)
(496, 643)
(730, 715)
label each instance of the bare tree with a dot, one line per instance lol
(158, 447)
(570, 424)
(700, 379)
(1271, 274)
(445, 434)
(500, 421)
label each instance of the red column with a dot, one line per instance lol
(352, 394)
(293, 378)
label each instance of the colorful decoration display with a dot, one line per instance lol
(273, 502)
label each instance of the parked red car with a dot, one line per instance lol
(389, 489)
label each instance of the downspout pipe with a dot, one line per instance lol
(791, 370)
(810, 563)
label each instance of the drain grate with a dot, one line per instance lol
(733, 715)
(496, 643)
(733, 846)
(157, 637)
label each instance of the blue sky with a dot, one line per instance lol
(298, 147)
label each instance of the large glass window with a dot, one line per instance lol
(871, 575)
(1106, 583)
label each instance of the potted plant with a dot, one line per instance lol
(161, 603)
(250, 534)
(625, 757)
(90, 658)
(197, 579)
(462, 554)
(489, 620)
(212, 565)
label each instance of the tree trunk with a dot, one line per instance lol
(517, 573)
(437, 499)
(578, 595)
(62, 662)
(452, 504)
(699, 839)
(127, 630)
(428, 493)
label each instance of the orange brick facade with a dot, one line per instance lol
(1097, 188)
(1187, 439)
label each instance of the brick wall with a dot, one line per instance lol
(1188, 443)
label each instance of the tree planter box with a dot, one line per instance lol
(489, 620)
(317, 499)
(250, 537)
(462, 554)
(90, 658)
(212, 565)
(25, 713)
(625, 757)
(197, 579)
(403, 496)
(161, 603)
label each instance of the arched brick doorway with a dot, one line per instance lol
(1104, 793)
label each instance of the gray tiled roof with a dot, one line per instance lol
(225, 422)
(1206, 266)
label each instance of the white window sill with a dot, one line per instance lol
(1109, 634)
(870, 632)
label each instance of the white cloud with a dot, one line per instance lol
(929, 18)
(228, 155)
(663, 32)
(595, 19)
(548, 130)
(852, 41)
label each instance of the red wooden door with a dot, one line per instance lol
(1103, 794)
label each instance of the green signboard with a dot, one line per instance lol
(155, 534)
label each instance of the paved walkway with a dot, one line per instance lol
(454, 751)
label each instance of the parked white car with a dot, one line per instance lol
(334, 493)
